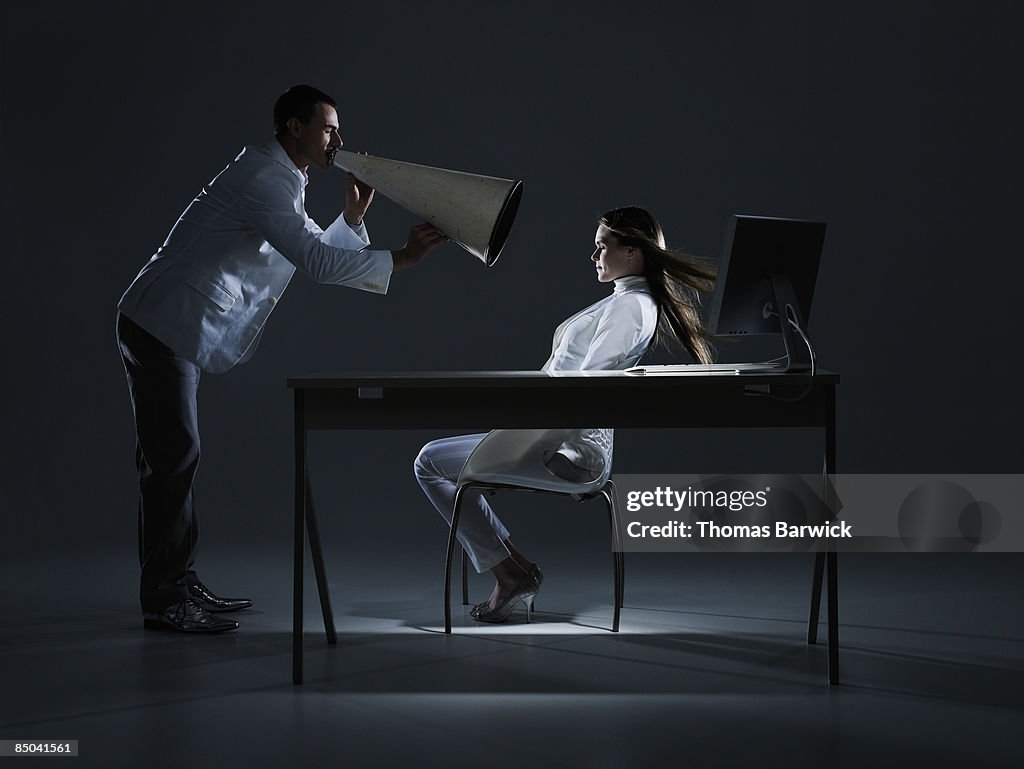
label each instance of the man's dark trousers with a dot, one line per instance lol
(163, 388)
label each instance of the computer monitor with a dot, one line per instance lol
(768, 263)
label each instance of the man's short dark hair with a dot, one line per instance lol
(298, 102)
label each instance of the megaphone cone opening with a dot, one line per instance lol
(503, 226)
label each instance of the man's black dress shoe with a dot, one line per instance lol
(210, 602)
(187, 617)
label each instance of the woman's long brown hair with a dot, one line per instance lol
(676, 279)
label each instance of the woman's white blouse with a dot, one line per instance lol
(611, 334)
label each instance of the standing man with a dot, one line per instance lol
(199, 304)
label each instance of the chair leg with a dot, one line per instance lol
(608, 492)
(448, 560)
(619, 549)
(465, 578)
(622, 579)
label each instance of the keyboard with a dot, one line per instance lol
(708, 368)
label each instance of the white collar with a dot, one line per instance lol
(631, 283)
(282, 157)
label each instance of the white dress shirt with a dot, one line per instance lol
(209, 289)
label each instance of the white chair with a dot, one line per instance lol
(515, 459)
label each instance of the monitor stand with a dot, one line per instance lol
(798, 355)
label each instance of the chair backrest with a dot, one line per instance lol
(517, 458)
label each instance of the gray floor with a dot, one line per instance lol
(710, 668)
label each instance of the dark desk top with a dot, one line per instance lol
(528, 379)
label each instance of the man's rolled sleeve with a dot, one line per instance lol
(344, 235)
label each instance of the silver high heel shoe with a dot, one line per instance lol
(524, 593)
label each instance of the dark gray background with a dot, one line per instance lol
(896, 122)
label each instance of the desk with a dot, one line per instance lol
(532, 399)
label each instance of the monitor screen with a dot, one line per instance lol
(756, 247)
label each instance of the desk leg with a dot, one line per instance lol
(300, 530)
(318, 565)
(826, 564)
(816, 580)
(833, 617)
(831, 558)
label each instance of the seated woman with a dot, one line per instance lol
(656, 297)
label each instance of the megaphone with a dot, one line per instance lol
(474, 211)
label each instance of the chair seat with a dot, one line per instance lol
(517, 458)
